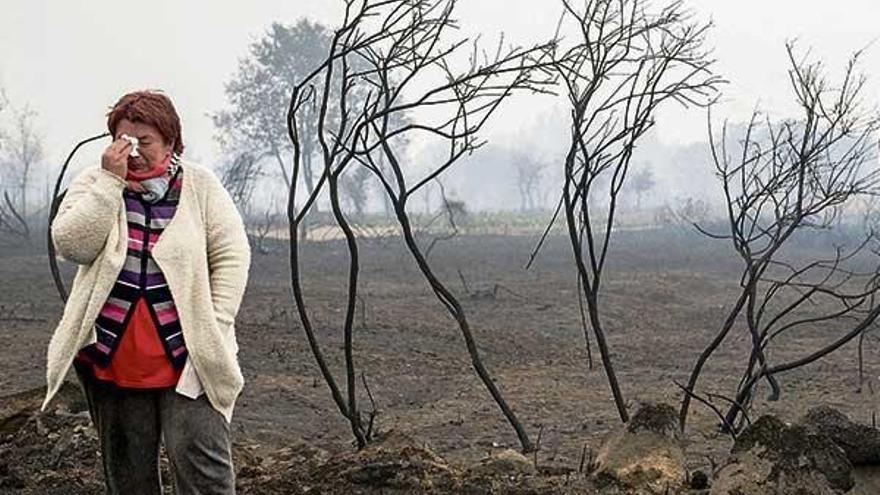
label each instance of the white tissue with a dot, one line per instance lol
(134, 144)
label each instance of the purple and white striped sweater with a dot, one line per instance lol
(141, 277)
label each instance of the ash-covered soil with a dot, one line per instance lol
(664, 298)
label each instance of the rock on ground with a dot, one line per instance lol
(773, 458)
(507, 462)
(861, 443)
(395, 462)
(645, 455)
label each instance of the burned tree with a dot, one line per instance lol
(625, 63)
(57, 196)
(240, 177)
(22, 153)
(397, 53)
(453, 211)
(787, 180)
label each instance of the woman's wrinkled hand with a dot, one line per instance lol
(115, 157)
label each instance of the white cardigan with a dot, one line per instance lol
(203, 254)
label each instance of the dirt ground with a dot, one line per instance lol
(664, 298)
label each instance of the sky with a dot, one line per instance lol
(70, 59)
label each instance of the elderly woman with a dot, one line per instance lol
(163, 261)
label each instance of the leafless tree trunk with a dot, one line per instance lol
(627, 61)
(790, 177)
(23, 151)
(240, 177)
(12, 222)
(453, 211)
(57, 196)
(381, 48)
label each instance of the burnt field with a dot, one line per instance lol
(664, 298)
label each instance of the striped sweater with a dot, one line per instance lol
(140, 277)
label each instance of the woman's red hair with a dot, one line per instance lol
(151, 108)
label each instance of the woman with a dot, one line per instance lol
(163, 260)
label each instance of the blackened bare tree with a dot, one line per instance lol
(396, 53)
(240, 176)
(626, 62)
(789, 179)
(453, 212)
(262, 225)
(22, 153)
(57, 196)
(12, 224)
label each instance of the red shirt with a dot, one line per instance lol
(139, 360)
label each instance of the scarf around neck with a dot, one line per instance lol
(153, 183)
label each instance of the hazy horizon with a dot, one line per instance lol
(70, 60)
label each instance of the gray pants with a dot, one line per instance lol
(130, 424)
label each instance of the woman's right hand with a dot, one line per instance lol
(115, 157)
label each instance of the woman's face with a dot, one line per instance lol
(151, 145)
